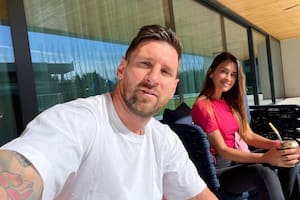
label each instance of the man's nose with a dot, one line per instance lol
(153, 76)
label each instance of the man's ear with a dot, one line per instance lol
(121, 68)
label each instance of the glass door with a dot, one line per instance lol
(8, 84)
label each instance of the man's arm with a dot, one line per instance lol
(206, 194)
(19, 180)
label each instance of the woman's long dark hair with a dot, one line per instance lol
(235, 96)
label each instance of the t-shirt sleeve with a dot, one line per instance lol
(181, 179)
(202, 117)
(50, 140)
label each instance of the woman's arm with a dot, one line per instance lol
(18, 178)
(282, 158)
(258, 141)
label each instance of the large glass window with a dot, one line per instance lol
(200, 31)
(277, 69)
(8, 84)
(262, 69)
(76, 45)
(236, 42)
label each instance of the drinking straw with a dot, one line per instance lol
(275, 131)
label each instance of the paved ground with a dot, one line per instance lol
(294, 100)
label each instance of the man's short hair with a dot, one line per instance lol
(155, 32)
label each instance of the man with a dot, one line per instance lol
(109, 146)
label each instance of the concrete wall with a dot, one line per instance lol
(277, 69)
(290, 52)
(263, 71)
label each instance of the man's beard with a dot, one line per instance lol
(135, 104)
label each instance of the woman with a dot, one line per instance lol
(220, 111)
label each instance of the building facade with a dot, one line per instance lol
(56, 51)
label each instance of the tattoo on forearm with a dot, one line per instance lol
(23, 161)
(14, 187)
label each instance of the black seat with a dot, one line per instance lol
(197, 146)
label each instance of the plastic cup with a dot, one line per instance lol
(287, 144)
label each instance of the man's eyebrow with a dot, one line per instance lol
(168, 67)
(143, 58)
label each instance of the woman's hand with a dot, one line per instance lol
(281, 158)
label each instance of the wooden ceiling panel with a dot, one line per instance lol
(3, 10)
(279, 18)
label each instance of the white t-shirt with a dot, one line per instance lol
(82, 150)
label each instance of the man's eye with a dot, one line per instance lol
(166, 72)
(146, 64)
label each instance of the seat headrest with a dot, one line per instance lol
(181, 115)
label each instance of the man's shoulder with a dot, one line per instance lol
(161, 131)
(90, 106)
(156, 124)
(96, 99)
(92, 102)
